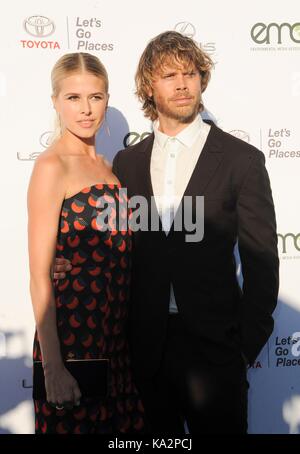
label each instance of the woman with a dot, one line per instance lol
(83, 316)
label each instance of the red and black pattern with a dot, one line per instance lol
(92, 305)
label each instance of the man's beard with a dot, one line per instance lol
(183, 114)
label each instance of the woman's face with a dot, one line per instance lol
(81, 103)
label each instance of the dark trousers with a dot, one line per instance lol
(189, 388)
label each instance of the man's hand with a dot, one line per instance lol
(61, 266)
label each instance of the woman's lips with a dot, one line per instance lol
(86, 123)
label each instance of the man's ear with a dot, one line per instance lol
(150, 92)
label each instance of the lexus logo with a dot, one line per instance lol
(240, 134)
(40, 26)
(45, 139)
(185, 28)
(134, 137)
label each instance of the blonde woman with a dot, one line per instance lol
(84, 315)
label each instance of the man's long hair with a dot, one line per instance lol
(169, 48)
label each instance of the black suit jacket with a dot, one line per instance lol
(238, 207)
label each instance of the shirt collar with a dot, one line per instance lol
(187, 136)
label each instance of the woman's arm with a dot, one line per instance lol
(45, 196)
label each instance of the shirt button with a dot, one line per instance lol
(172, 155)
(169, 182)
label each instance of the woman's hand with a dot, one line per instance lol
(61, 387)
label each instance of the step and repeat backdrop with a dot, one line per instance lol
(254, 94)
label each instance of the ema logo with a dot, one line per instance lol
(288, 242)
(263, 34)
(39, 27)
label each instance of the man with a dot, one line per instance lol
(193, 331)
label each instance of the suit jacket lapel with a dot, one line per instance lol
(144, 177)
(206, 166)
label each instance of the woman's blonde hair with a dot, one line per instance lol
(69, 64)
(168, 47)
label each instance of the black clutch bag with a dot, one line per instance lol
(91, 375)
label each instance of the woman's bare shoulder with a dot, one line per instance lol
(51, 160)
(49, 174)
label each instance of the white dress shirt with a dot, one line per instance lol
(173, 160)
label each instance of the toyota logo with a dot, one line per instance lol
(185, 28)
(39, 26)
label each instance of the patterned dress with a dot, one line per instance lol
(91, 308)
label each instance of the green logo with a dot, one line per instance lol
(287, 241)
(265, 34)
(297, 30)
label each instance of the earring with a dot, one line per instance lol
(106, 126)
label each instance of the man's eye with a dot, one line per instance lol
(72, 98)
(97, 97)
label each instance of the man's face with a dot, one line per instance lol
(176, 91)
